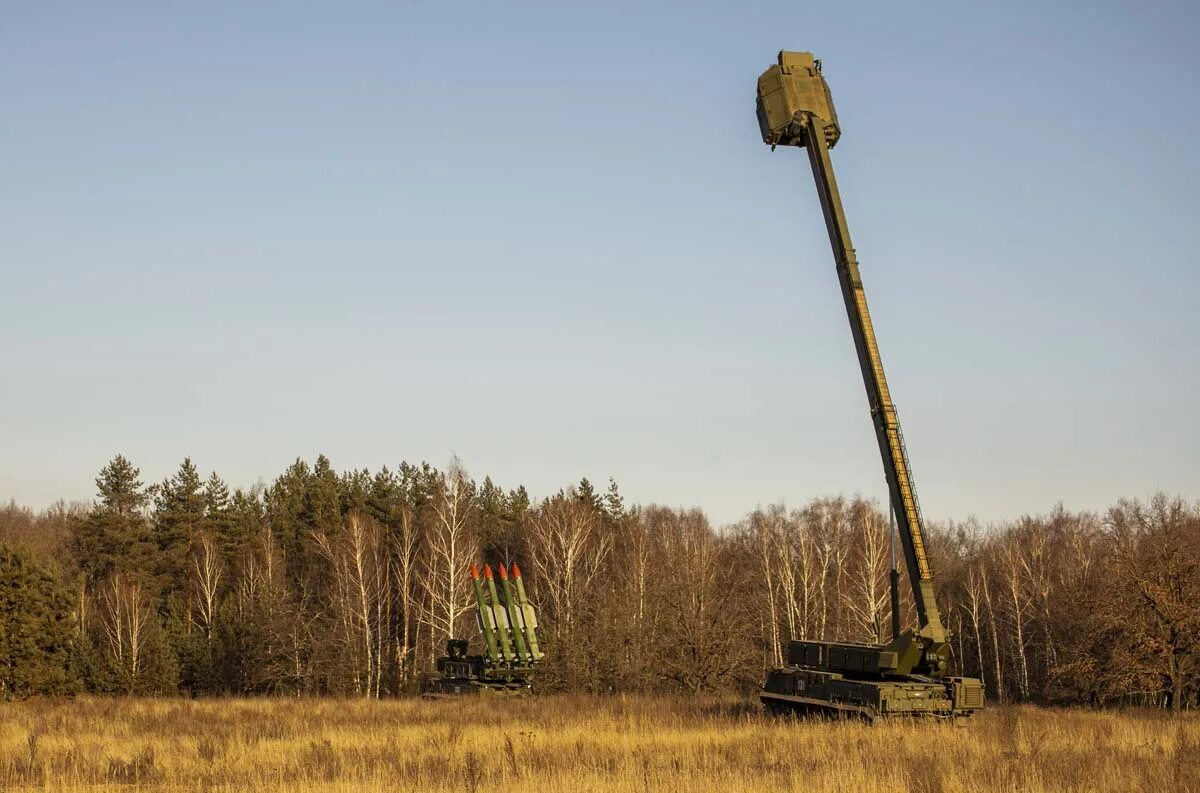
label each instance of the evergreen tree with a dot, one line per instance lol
(182, 506)
(36, 629)
(219, 516)
(354, 489)
(120, 489)
(179, 516)
(614, 505)
(587, 494)
(114, 536)
(518, 503)
(285, 505)
(385, 498)
(494, 527)
(216, 494)
(240, 524)
(323, 510)
(421, 483)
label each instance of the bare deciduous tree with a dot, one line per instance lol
(869, 566)
(568, 552)
(450, 546)
(207, 570)
(768, 541)
(1157, 561)
(125, 613)
(359, 568)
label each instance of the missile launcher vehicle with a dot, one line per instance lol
(907, 676)
(508, 625)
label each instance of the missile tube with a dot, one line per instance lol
(501, 629)
(528, 618)
(514, 619)
(487, 621)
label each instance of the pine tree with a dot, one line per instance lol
(285, 501)
(354, 488)
(587, 494)
(420, 483)
(239, 524)
(120, 489)
(179, 517)
(494, 534)
(303, 503)
(36, 629)
(614, 505)
(323, 511)
(518, 503)
(385, 497)
(114, 536)
(216, 494)
(219, 517)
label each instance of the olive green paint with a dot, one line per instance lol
(795, 108)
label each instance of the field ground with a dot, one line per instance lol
(575, 744)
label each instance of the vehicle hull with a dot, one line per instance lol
(816, 691)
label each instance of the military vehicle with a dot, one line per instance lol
(908, 675)
(508, 626)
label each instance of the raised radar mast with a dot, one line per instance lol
(795, 108)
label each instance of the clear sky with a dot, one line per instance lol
(547, 238)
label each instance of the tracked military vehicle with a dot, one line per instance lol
(908, 676)
(507, 623)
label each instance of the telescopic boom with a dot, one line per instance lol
(795, 109)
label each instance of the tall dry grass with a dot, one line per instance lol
(575, 744)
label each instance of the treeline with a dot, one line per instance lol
(349, 583)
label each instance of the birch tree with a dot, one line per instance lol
(404, 573)
(207, 570)
(567, 552)
(1012, 576)
(869, 589)
(125, 613)
(766, 539)
(450, 546)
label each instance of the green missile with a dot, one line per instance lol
(487, 622)
(528, 618)
(514, 619)
(500, 617)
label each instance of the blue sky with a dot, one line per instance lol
(546, 237)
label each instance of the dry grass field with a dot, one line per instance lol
(574, 744)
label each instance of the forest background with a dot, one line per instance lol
(349, 583)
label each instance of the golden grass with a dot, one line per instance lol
(572, 744)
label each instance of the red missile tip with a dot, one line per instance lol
(503, 572)
(516, 571)
(474, 570)
(487, 571)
